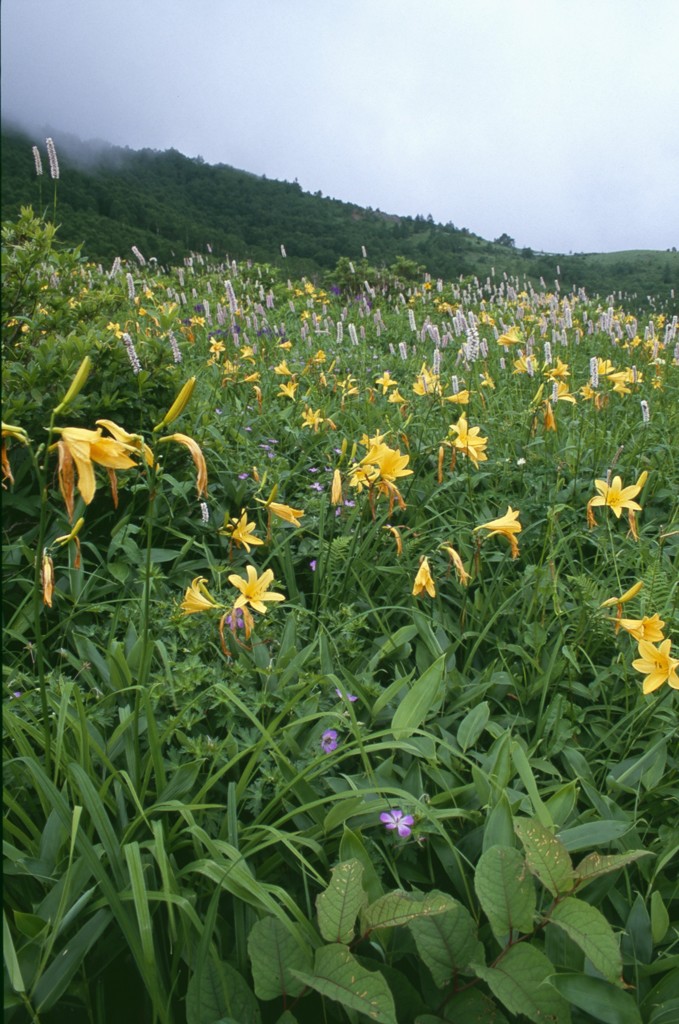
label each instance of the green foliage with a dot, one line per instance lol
(198, 800)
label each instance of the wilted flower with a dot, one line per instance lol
(397, 820)
(198, 459)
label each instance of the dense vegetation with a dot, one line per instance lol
(167, 204)
(340, 672)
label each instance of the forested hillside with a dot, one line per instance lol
(167, 204)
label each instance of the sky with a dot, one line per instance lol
(552, 121)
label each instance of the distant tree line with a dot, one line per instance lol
(168, 205)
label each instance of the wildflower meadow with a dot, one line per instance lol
(341, 661)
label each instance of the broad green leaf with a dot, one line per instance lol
(562, 803)
(286, 1018)
(217, 992)
(352, 845)
(637, 939)
(546, 857)
(523, 767)
(499, 830)
(340, 904)
(419, 701)
(518, 981)
(506, 891)
(660, 919)
(665, 1013)
(339, 976)
(68, 961)
(10, 957)
(472, 725)
(596, 864)
(601, 1001)
(447, 943)
(140, 899)
(593, 833)
(590, 930)
(29, 925)
(399, 908)
(473, 1007)
(274, 954)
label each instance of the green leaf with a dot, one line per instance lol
(10, 957)
(562, 803)
(29, 925)
(472, 725)
(517, 980)
(339, 976)
(596, 864)
(590, 930)
(217, 992)
(419, 701)
(660, 919)
(637, 939)
(399, 908)
(499, 830)
(352, 845)
(505, 890)
(274, 954)
(68, 961)
(601, 1001)
(140, 899)
(665, 1013)
(473, 1007)
(546, 857)
(523, 767)
(447, 943)
(339, 906)
(593, 833)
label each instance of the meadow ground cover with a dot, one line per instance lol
(340, 675)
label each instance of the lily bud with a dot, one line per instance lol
(77, 384)
(178, 406)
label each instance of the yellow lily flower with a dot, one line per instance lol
(198, 598)
(84, 448)
(132, 441)
(649, 628)
(253, 590)
(469, 441)
(506, 526)
(657, 665)
(424, 580)
(617, 497)
(624, 598)
(242, 531)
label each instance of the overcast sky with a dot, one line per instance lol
(555, 121)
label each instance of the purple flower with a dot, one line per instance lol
(243, 476)
(349, 696)
(312, 565)
(329, 741)
(399, 821)
(317, 486)
(235, 622)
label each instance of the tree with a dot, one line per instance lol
(505, 240)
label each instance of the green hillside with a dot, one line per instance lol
(167, 204)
